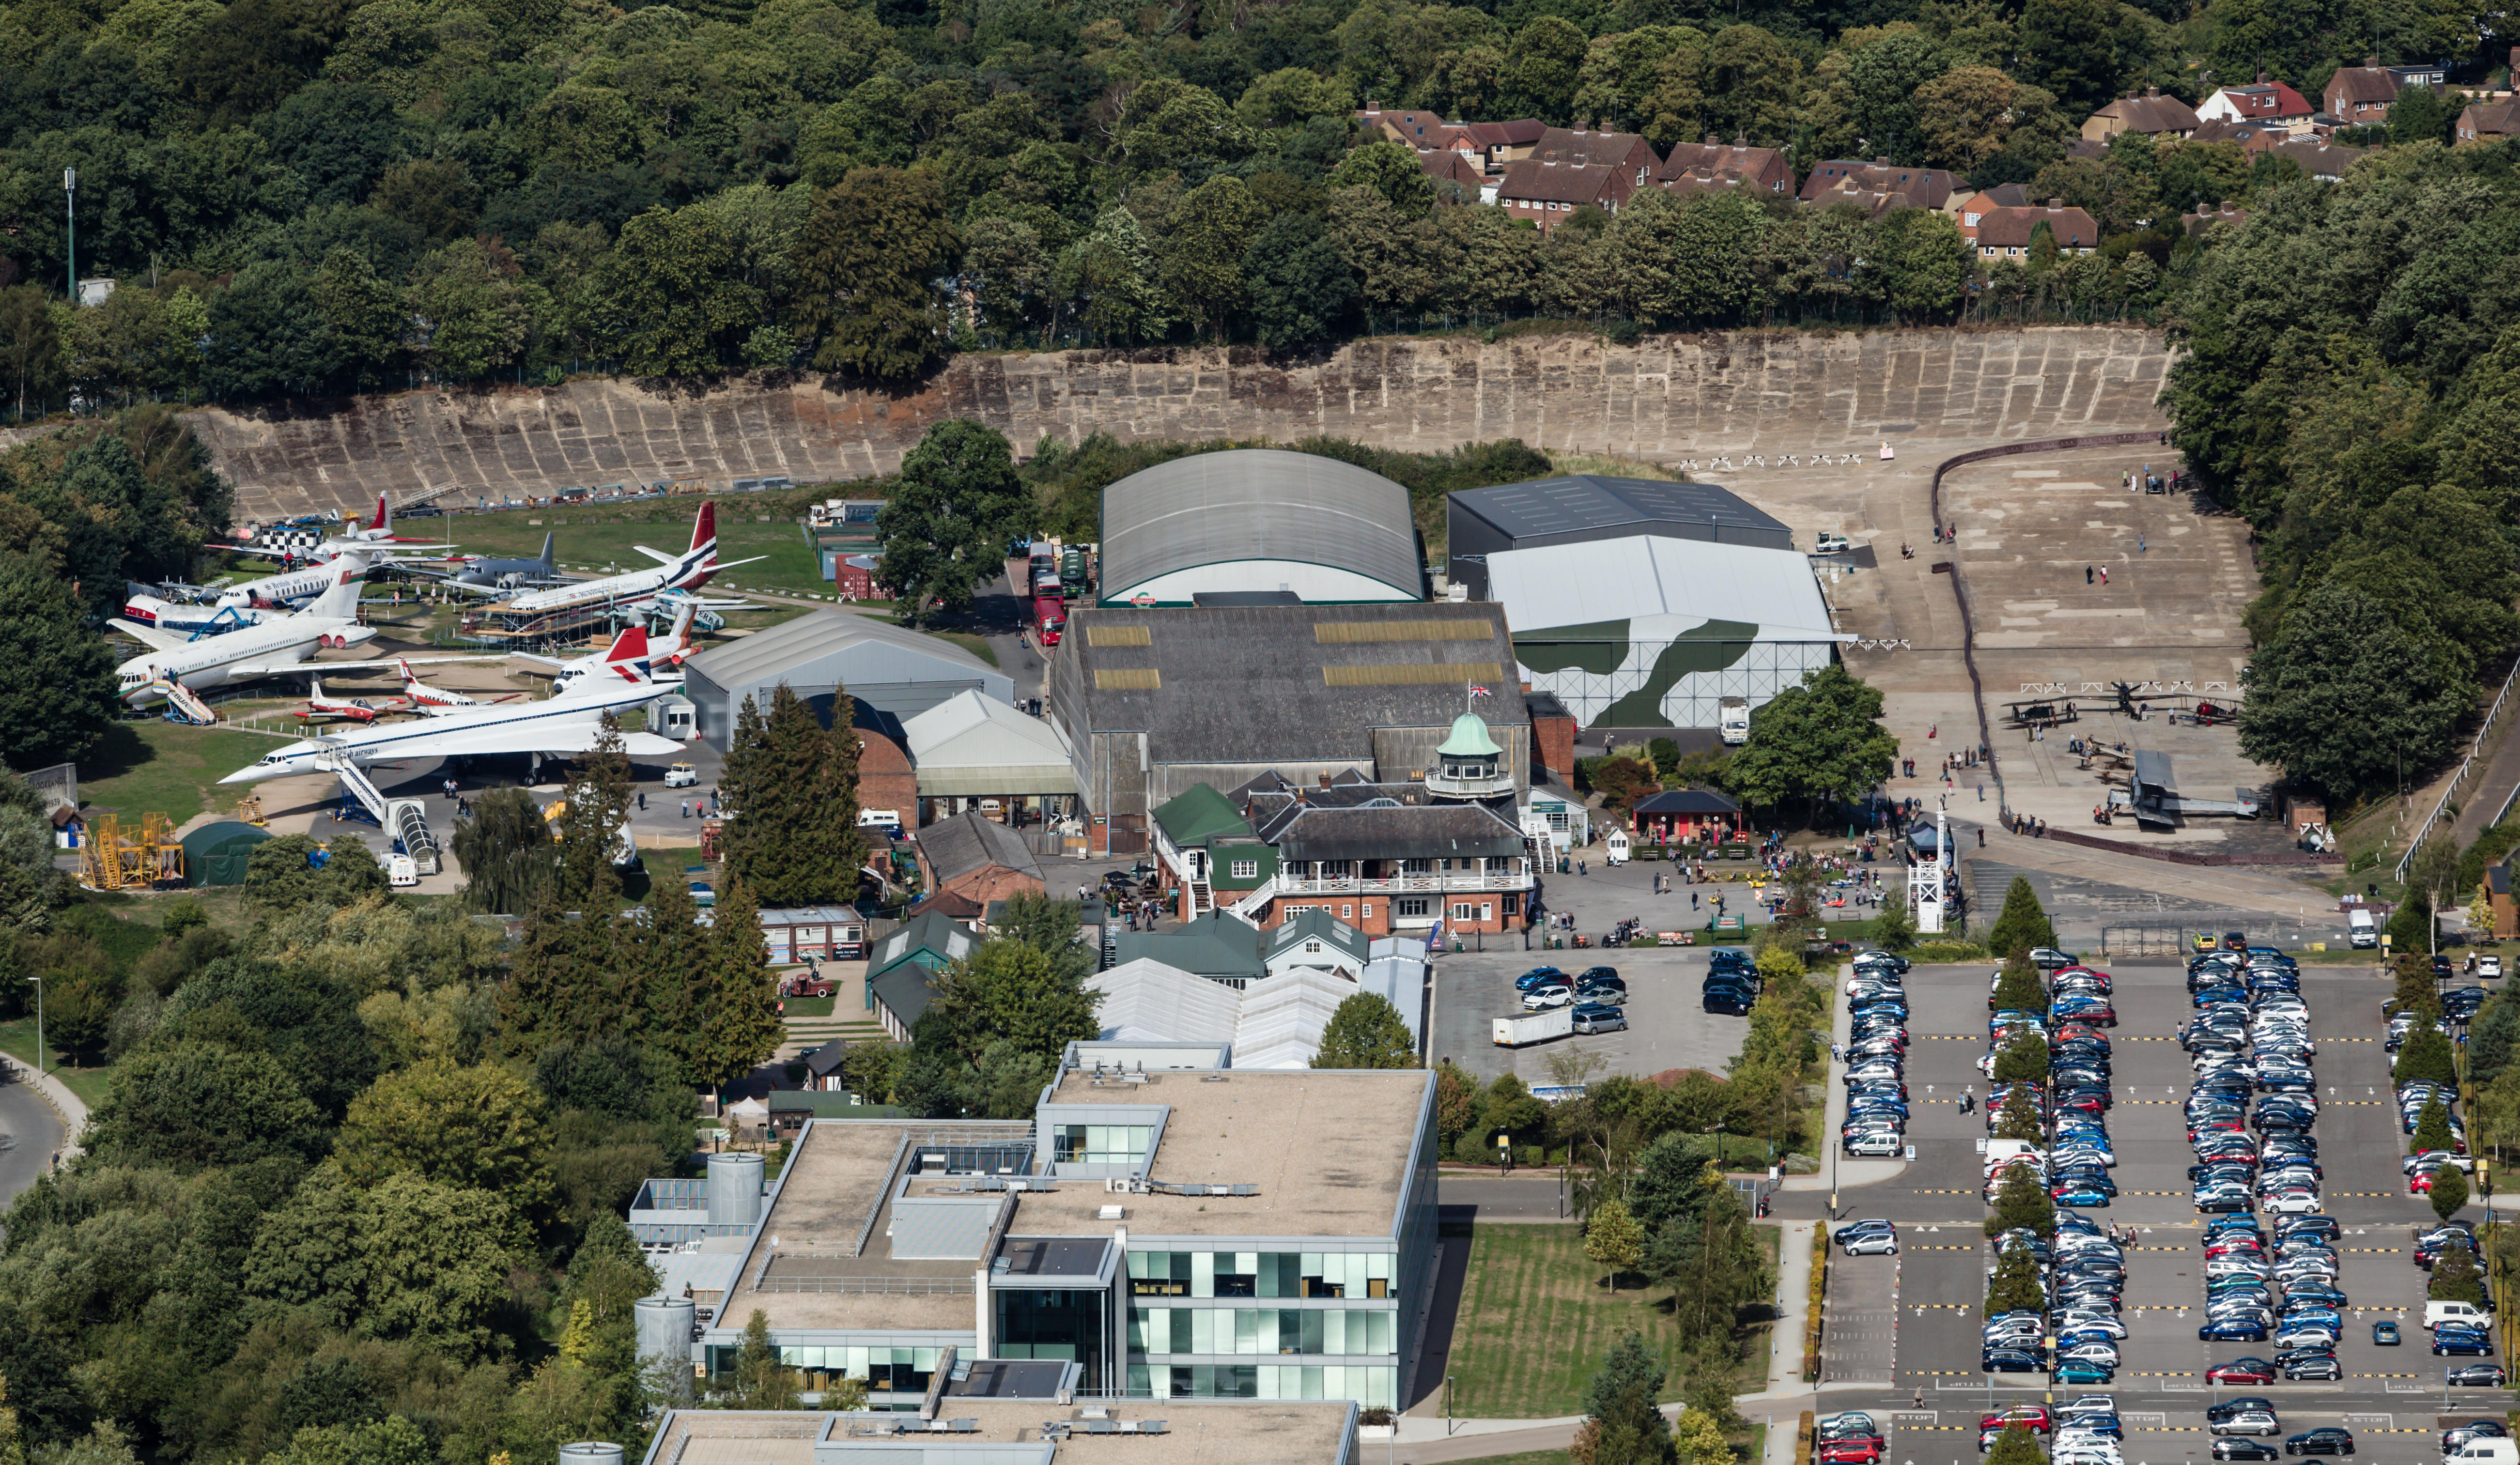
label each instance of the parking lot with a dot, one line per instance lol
(1666, 1026)
(2392, 1395)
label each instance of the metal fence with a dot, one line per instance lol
(2459, 780)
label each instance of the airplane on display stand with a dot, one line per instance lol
(322, 708)
(488, 575)
(567, 724)
(687, 571)
(297, 546)
(439, 702)
(248, 653)
(221, 608)
(664, 657)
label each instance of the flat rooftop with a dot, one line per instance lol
(1329, 1150)
(1196, 1432)
(834, 1192)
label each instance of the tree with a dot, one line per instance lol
(480, 1128)
(2014, 1288)
(191, 1106)
(471, 310)
(405, 1259)
(2490, 1042)
(1820, 739)
(2023, 1060)
(1612, 1238)
(1108, 280)
(736, 1008)
(2426, 1056)
(1391, 170)
(363, 320)
(57, 695)
(795, 783)
(1707, 1253)
(1542, 67)
(31, 347)
(761, 1380)
(1895, 928)
(1963, 117)
(1670, 1178)
(671, 296)
(2016, 1447)
(2019, 1117)
(864, 272)
(1925, 264)
(2071, 47)
(2449, 1191)
(1699, 1438)
(1201, 258)
(2017, 987)
(946, 527)
(2020, 1200)
(1300, 286)
(2345, 700)
(1008, 992)
(507, 852)
(2431, 1127)
(2023, 924)
(2455, 1277)
(1367, 1032)
(595, 812)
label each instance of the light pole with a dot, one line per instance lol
(40, 1023)
(69, 216)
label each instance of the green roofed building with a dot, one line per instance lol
(216, 854)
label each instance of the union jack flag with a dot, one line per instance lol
(1478, 691)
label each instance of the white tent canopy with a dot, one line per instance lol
(1147, 1002)
(974, 745)
(1284, 1017)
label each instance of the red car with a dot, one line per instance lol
(2243, 1371)
(2032, 1415)
(1850, 1452)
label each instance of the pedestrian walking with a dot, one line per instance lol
(2139, 543)
(687, 808)
(2104, 574)
(643, 801)
(2086, 574)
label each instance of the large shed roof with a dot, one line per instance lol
(1646, 575)
(1589, 503)
(767, 654)
(1257, 504)
(973, 744)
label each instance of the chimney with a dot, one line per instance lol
(1881, 162)
(1741, 140)
(2152, 91)
(2262, 78)
(1710, 140)
(2372, 62)
(2056, 204)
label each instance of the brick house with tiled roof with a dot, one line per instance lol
(2152, 115)
(1580, 148)
(1461, 169)
(2361, 96)
(1712, 165)
(1422, 130)
(1546, 192)
(1503, 143)
(2006, 233)
(2221, 214)
(2324, 161)
(1976, 206)
(1922, 188)
(2487, 123)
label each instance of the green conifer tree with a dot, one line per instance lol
(793, 784)
(592, 813)
(2023, 924)
(2014, 1287)
(2019, 1118)
(2020, 1200)
(738, 1027)
(2449, 1192)
(2455, 1278)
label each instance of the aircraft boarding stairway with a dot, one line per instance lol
(406, 821)
(185, 705)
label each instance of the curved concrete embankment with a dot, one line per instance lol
(1670, 397)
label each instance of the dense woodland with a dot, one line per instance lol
(311, 195)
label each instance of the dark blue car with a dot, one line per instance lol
(1537, 975)
(2233, 1330)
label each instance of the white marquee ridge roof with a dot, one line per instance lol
(1257, 504)
(1284, 1017)
(1646, 575)
(1147, 1002)
(973, 744)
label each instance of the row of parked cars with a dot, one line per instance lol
(1598, 993)
(2081, 1278)
(2254, 1099)
(1877, 1056)
(2083, 1430)
(1732, 984)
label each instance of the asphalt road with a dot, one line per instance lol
(2392, 1397)
(29, 1133)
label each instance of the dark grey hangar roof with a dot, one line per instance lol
(1258, 503)
(1586, 502)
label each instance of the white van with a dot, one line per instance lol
(2486, 1452)
(2437, 1314)
(886, 820)
(2360, 932)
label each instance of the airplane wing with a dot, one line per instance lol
(150, 635)
(724, 565)
(565, 738)
(326, 667)
(659, 556)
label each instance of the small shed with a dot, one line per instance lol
(825, 933)
(215, 854)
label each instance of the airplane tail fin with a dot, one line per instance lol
(341, 602)
(678, 642)
(705, 527)
(627, 660)
(410, 678)
(385, 515)
(547, 546)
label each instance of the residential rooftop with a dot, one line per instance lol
(1195, 1432)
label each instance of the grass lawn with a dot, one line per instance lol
(1536, 1322)
(17, 1039)
(165, 767)
(808, 1007)
(593, 538)
(1754, 1349)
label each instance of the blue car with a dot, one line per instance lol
(2081, 1371)
(2233, 1330)
(1537, 975)
(2465, 1342)
(2082, 1195)
(2385, 1333)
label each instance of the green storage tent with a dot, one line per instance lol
(216, 854)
